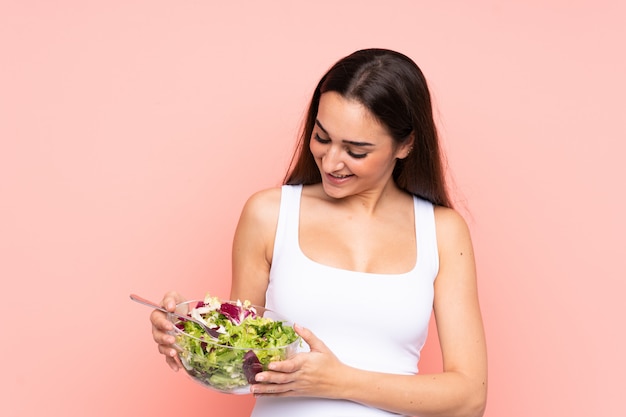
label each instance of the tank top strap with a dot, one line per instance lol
(286, 239)
(426, 234)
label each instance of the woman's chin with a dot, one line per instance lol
(334, 190)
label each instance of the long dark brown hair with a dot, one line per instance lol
(392, 87)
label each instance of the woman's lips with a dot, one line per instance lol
(338, 179)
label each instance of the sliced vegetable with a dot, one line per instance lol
(248, 342)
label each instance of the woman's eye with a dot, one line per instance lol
(320, 139)
(357, 155)
(323, 141)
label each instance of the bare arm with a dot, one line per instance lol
(253, 246)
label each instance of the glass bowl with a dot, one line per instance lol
(222, 367)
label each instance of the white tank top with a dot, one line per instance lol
(376, 322)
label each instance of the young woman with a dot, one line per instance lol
(358, 247)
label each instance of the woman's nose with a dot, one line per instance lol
(332, 161)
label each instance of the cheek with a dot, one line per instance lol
(315, 149)
(379, 166)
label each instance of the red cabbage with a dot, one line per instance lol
(232, 311)
(251, 366)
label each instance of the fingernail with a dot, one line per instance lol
(259, 377)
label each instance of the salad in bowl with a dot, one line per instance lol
(249, 338)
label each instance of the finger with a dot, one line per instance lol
(170, 300)
(163, 338)
(314, 343)
(173, 363)
(275, 378)
(285, 366)
(161, 332)
(167, 350)
(274, 390)
(159, 320)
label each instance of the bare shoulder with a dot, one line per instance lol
(264, 201)
(449, 221)
(261, 210)
(452, 230)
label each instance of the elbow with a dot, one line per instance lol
(477, 409)
(471, 400)
(472, 407)
(476, 401)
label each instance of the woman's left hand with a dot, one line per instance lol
(315, 373)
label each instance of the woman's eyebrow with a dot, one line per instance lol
(351, 142)
(317, 122)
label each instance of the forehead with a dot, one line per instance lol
(346, 119)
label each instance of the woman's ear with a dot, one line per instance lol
(407, 147)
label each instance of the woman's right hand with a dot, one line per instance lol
(161, 326)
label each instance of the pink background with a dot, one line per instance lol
(133, 131)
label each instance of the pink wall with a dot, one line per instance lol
(132, 132)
